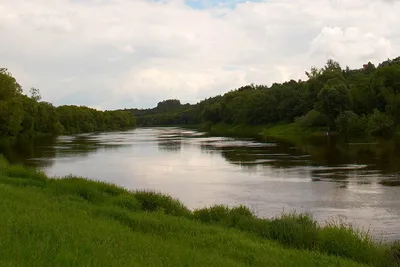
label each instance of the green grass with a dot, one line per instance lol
(290, 132)
(287, 132)
(77, 222)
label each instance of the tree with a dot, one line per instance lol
(314, 72)
(11, 117)
(333, 100)
(35, 94)
(212, 113)
(9, 87)
(332, 65)
(380, 124)
(313, 118)
(350, 124)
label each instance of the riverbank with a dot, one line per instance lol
(74, 221)
(283, 132)
(286, 132)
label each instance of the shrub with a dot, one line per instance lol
(152, 201)
(295, 230)
(345, 241)
(241, 211)
(313, 118)
(223, 214)
(350, 124)
(238, 217)
(215, 214)
(380, 124)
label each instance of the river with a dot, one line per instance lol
(341, 182)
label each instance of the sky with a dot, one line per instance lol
(111, 54)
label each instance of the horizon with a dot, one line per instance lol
(109, 54)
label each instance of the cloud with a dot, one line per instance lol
(123, 53)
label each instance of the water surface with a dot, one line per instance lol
(328, 179)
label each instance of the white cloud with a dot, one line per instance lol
(123, 53)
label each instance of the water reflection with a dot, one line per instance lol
(24, 151)
(323, 176)
(41, 152)
(170, 141)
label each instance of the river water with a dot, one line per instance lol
(355, 183)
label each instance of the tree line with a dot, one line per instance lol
(364, 101)
(22, 115)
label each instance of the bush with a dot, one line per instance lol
(222, 214)
(350, 124)
(152, 201)
(345, 241)
(298, 231)
(238, 217)
(380, 124)
(313, 118)
(241, 211)
(215, 214)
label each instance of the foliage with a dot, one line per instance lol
(21, 115)
(380, 124)
(350, 124)
(332, 100)
(152, 201)
(299, 231)
(324, 99)
(313, 118)
(342, 239)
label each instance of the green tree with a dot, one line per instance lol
(380, 124)
(9, 87)
(35, 94)
(333, 100)
(11, 117)
(350, 124)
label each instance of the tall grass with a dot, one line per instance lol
(294, 231)
(301, 231)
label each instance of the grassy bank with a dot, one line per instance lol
(76, 222)
(285, 132)
(288, 132)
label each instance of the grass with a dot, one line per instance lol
(77, 222)
(289, 132)
(292, 132)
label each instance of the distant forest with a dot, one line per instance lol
(364, 101)
(27, 116)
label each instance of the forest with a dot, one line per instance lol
(352, 102)
(27, 116)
